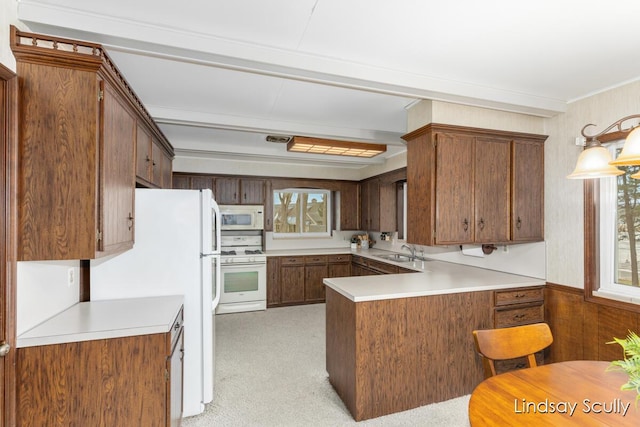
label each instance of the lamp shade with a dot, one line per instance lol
(594, 162)
(630, 154)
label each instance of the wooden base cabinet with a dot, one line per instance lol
(293, 280)
(392, 355)
(133, 380)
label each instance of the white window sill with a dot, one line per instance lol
(617, 296)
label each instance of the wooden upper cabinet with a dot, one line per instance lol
(469, 185)
(153, 161)
(78, 139)
(378, 201)
(527, 213)
(239, 191)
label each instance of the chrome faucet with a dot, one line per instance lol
(412, 249)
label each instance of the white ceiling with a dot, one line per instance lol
(218, 76)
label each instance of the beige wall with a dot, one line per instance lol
(563, 197)
(8, 16)
(426, 112)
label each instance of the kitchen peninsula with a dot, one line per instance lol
(396, 342)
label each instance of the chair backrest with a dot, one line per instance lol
(511, 343)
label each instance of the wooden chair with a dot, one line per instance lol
(511, 343)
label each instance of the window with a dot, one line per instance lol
(301, 212)
(619, 234)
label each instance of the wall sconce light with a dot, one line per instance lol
(596, 162)
(303, 144)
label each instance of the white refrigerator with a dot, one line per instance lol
(176, 251)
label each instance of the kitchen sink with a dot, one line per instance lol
(397, 257)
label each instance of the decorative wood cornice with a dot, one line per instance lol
(80, 55)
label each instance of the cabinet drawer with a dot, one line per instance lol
(519, 316)
(518, 296)
(292, 260)
(338, 258)
(383, 267)
(315, 259)
(176, 327)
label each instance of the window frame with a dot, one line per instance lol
(591, 190)
(302, 234)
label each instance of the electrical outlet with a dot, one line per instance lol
(71, 277)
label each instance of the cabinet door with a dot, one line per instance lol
(166, 171)
(313, 285)
(339, 270)
(492, 189)
(227, 191)
(292, 283)
(252, 191)
(349, 218)
(370, 205)
(117, 172)
(527, 212)
(274, 295)
(143, 153)
(58, 150)
(339, 266)
(454, 188)
(156, 164)
(176, 382)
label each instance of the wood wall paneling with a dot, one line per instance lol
(8, 240)
(581, 329)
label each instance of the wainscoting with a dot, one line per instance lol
(582, 329)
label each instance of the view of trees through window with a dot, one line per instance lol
(628, 227)
(297, 211)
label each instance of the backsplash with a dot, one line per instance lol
(527, 259)
(44, 290)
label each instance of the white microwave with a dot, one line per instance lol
(241, 217)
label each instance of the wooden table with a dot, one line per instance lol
(580, 393)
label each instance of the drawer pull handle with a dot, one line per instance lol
(520, 295)
(518, 316)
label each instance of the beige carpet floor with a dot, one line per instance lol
(270, 371)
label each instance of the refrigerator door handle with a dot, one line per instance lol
(216, 299)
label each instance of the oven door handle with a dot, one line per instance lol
(243, 264)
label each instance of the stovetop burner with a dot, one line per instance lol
(241, 252)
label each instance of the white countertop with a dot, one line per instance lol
(437, 278)
(104, 319)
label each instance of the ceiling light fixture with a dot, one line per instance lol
(303, 144)
(596, 162)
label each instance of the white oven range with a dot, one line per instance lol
(243, 268)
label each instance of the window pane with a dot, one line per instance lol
(628, 228)
(315, 220)
(285, 212)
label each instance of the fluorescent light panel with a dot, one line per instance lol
(303, 144)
